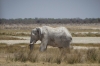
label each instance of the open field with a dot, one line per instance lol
(14, 48)
(19, 54)
(9, 38)
(77, 30)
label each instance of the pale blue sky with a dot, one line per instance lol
(49, 9)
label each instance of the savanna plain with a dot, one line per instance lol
(19, 54)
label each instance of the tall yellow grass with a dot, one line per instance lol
(22, 53)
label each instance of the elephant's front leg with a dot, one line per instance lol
(43, 45)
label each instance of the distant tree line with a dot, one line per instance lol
(50, 21)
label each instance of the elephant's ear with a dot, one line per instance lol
(39, 31)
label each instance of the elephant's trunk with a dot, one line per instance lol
(31, 42)
(31, 46)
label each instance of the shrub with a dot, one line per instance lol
(33, 57)
(92, 55)
(21, 56)
(51, 55)
(73, 58)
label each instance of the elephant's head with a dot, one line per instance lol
(35, 35)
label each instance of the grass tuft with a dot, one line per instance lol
(92, 55)
(51, 55)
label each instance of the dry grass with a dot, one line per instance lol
(21, 53)
(86, 45)
(3, 37)
(86, 35)
(14, 32)
(45, 64)
(72, 28)
(28, 34)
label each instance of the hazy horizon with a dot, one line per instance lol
(49, 9)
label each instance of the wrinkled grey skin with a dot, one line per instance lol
(56, 37)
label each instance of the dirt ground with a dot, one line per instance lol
(43, 64)
(75, 40)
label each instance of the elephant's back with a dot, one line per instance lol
(56, 32)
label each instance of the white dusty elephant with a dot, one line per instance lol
(56, 37)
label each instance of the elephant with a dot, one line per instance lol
(57, 37)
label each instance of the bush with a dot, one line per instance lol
(92, 55)
(73, 58)
(33, 57)
(52, 55)
(21, 56)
